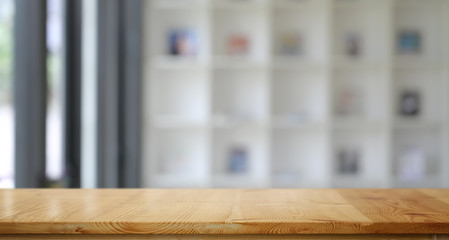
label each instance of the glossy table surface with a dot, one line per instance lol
(225, 212)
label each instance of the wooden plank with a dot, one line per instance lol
(220, 237)
(224, 211)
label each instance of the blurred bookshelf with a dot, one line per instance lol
(296, 93)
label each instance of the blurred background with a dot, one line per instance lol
(224, 93)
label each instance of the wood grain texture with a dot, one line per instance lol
(224, 211)
(219, 237)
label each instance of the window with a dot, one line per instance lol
(6, 103)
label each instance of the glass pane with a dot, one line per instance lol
(6, 102)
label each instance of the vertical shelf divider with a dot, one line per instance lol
(389, 143)
(210, 88)
(329, 67)
(445, 99)
(269, 108)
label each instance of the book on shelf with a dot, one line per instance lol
(238, 160)
(410, 103)
(238, 44)
(409, 42)
(411, 164)
(291, 44)
(183, 42)
(349, 101)
(348, 161)
(353, 44)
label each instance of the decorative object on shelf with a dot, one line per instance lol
(353, 44)
(349, 101)
(291, 44)
(409, 42)
(183, 42)
(411, 165)
(349, 161)
(238, 44)
(238, 160)
(410, 103)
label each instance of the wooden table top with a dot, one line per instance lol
(224, 211)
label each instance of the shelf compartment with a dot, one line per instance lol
(361, 94)
(417, 157)
(179, 154)
(240, 154)
(240, 95)
(180, 94)
(417, 32)
(418, 95)
(179, 32)
(359, 155)
(300, 96)
(295, 36)
(299, 158)
(358, 33)
(240, 34)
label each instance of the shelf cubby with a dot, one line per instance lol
(299, 34)
(422, 92)
(240, 33)
(297, 97)
(417, 158)
(179, 153)
(358, 32)
(417, 31)
(180, 95)
(359, 158)
(360, 94)
(240, 96)
(241, 157)
(190, 23)
(299, 158)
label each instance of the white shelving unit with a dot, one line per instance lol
(296, 93)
